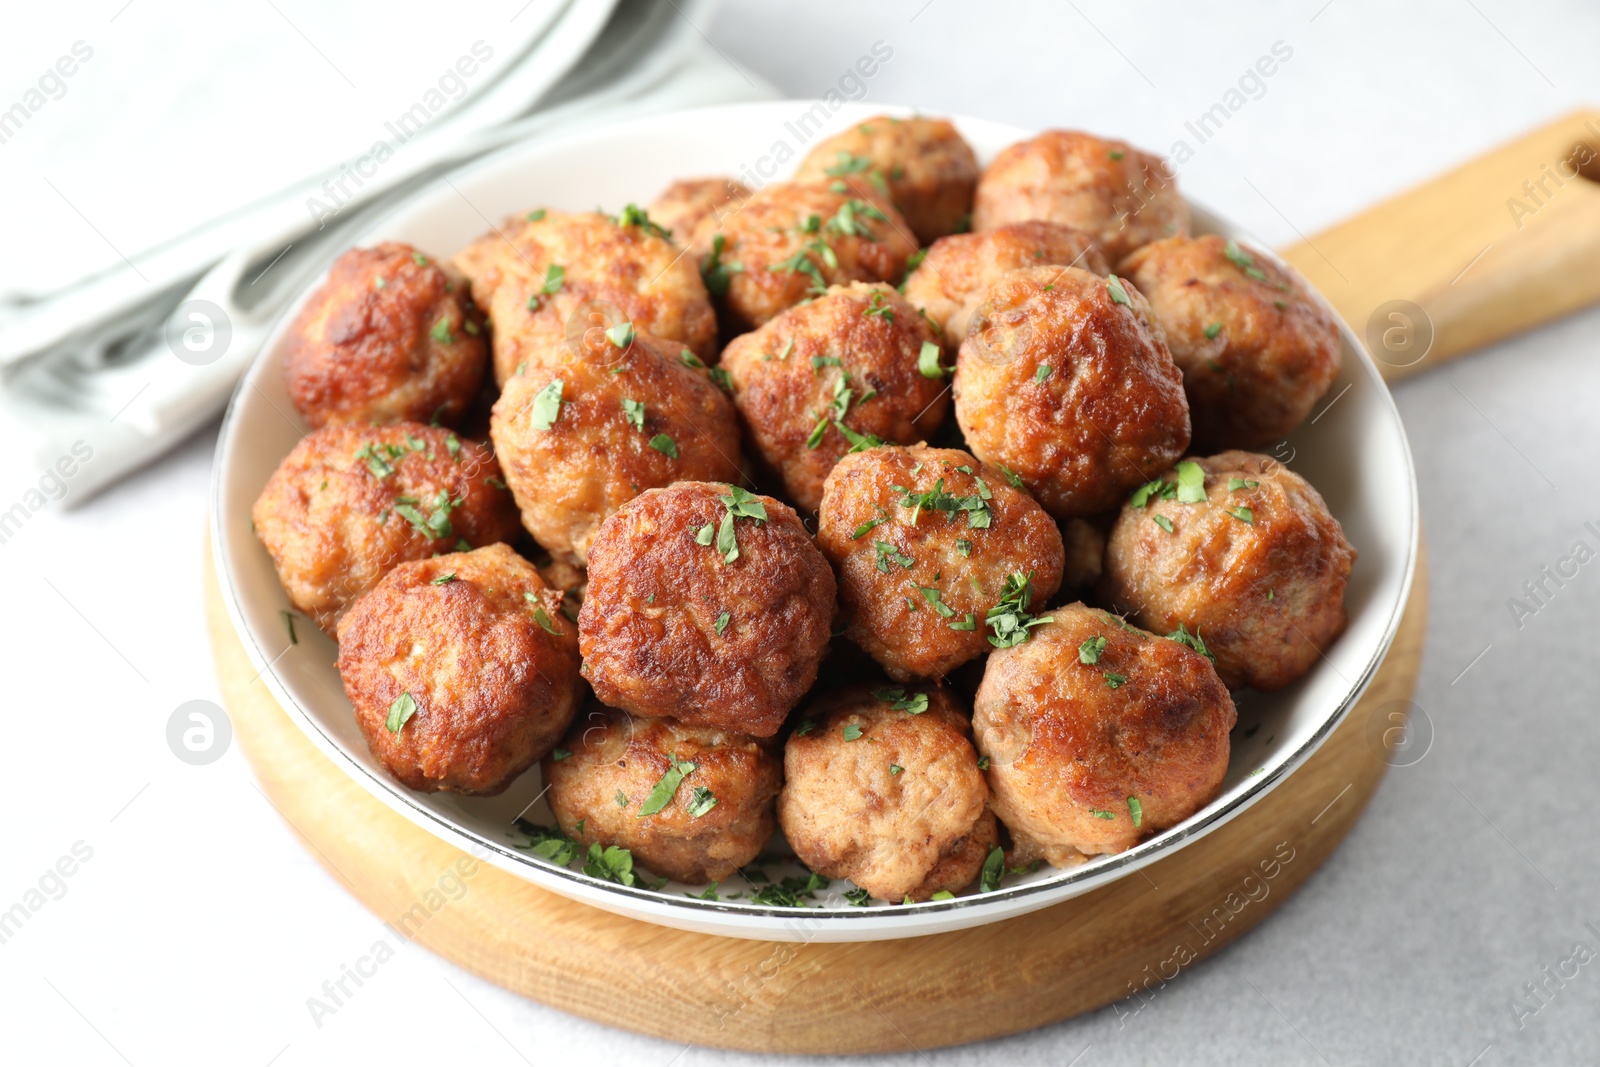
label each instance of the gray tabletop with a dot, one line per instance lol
(1452, 927)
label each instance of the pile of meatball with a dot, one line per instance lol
(911, 508)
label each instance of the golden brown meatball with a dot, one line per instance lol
(552, 276)
(581, 435)
(390, 335)
(851, 357)
(789, 242)
(1257, 351)
(952, 279)
(461, 669)
(691, 209)
(1099, 734)
(693, 803)
(882, 787)
(1123, 196)
(1256, 567)
(708, 604)
(932, 549)
(923, 165)
(1065, 380)
(350, 502)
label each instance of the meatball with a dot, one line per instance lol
(1099, 734)
(931, 548)
(708, 604)
(1065, 380)
(461, 669)
(581, 434)
(838, 374)
(693, 803)
(882, 787)
(390, 335)
(1255, 567)
(923, 165)
(552, 276)
(1257, 350)
(350, 502)
(789, 242)
(958, 270)
(1123, 196)
(691, 209)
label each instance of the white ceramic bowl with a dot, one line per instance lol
(1354, 452)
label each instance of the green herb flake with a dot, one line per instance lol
(965, 548)
(536, 215)
(1115, 680)
(559, 754)
(613, 864)
(1244, 515)
(928, 361)
(983, 763)
(880, 308)
(1009, 619)
(704, 536)
(993, 868)
(1116, 153)
(858, 898)
(805, 727)
(1137, 811)
(633, 411)
(701, 801)
(889, 553)
(547, 405)
(1044, 371)
(554, 277)
(969, 621)
(818, 362)
(665, 445)
(859, 442)
(1011, 476)
(544, 622)
(1119, 295)
(852, 731)
(400, 712)
(722, 623)
(1236, 484)
(895, 768)
(661, 795)
(419, 259)
(1191, 640)
(444, 579)
(621, 335)
(1101, 814)
(1163, 522)
(288, 620)
(1243, 260)
(441, 332)
(1089, 651)
(868, 526)
(1212, 331)
(1191, 482)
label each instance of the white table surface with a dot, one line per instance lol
(199, 926)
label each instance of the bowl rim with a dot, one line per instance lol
(1006, 902)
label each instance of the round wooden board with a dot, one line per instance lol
(945, 989)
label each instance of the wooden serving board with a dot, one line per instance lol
(1453, 250)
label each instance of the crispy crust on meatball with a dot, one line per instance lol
(671, 626)
(887, 601)
(1257, 351)
(1107, 414)
(615, 755)
(790, 240)
(848, 813)
(1263, 586)
(693, 208)
(957, 271)
(1069, 755)
(609, 273)
(478, 642)
(390, 335)
(1123, 196)
(855, 347)
(602, 449)
(924, 166)
(349, 503)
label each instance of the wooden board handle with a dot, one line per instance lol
(1499, 245)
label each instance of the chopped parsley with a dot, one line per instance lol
(1191, 482)
(805, 727)
(938, 499)
(622, 334)
(436, 523)
(993, 868)
(895, 768)
(1163, 522)
(1212, 331)
(1044, 371)
(880, 308)
(400, 712)
(634, 215)
(1191, 640)
(1119, 295)
(547, 405)
(1011, 476)
(740, 504)
(983, 763)
(444, 579)
(706, 533)
(858, 898)
(667, 787)
(722, 623)
(1115, 680)
(932, 595)
(1101, 814)
(1137, 811)
(611, 863)
(1160, 490)
(788, 892)
(701, 801)
(544, 622)
(867, 527)
(715, 273)
(859, 442)
(554, 277)
(1089, 651)
(928, 361)
(689, 359)
(888, 553)
(633, 410)
(665, 445)
(1235, 484)
(1009, 619)
(965, 548)
(899, 700)
(536, 215)
(559, 754)
(969, 621)
(1243, 260)
(818, 362)
(801, 263)
(550, 843)
(1244, 515)
(441, 332)
(852, 731)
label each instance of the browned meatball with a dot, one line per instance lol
(1099, 734)
(350, 502)
(929, 546)
(882, 787)
(461, 669)
(1065, 380)
(952, 279)
(1257, 351)
(1256, 567)
(708, 604)
(580, 435)
(923, 165)
(789, 242)
(691, 209)
(852, 357)
(552, 276)
(693, 803)
(390, 335)
(1123, 196)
